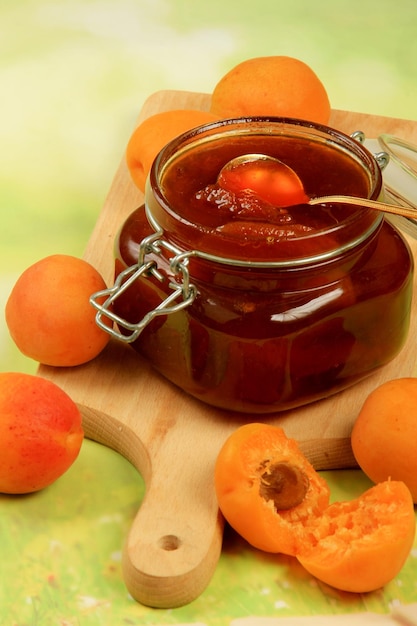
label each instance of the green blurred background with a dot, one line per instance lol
(74, 75)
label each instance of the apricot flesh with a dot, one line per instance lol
(41, 432)
(363, 544)
(49, 314)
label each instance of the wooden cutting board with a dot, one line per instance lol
(173, 440)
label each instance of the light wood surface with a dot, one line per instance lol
(175, 541)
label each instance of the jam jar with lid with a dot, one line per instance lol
(254, 307)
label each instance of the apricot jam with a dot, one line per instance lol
(254, 307)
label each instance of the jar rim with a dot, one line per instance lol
(206, 134)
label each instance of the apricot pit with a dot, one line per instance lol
(285, 484)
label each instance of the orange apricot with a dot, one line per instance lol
(49, 314)
(40, 432)
(154, 133)
(271, 86)
(363, 544)
(267, 490)
(384, 434)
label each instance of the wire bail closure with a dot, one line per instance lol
(182, 295)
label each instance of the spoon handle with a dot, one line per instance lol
(369, 204)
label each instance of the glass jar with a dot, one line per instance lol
(249, 313)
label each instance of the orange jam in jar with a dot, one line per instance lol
(254, 307)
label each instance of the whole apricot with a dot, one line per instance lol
(49, 314)
(154, 133)
(384, 435)
(40, 432)
(280, 86)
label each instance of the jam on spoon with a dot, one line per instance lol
(269, 178)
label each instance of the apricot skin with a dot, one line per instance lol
(384, 435)
(154, 133)
(40, 432)
(49, 314)
(273, 86)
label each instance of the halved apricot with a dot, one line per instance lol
(271, 495)
(362, 545)
(267, 490)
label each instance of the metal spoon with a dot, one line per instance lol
(405, 211)
(394, 209)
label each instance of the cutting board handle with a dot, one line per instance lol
(172, 549)
(175, 540)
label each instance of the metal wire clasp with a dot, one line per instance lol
(182, 295)
(382, 158)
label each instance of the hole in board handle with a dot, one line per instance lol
(169, 543)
